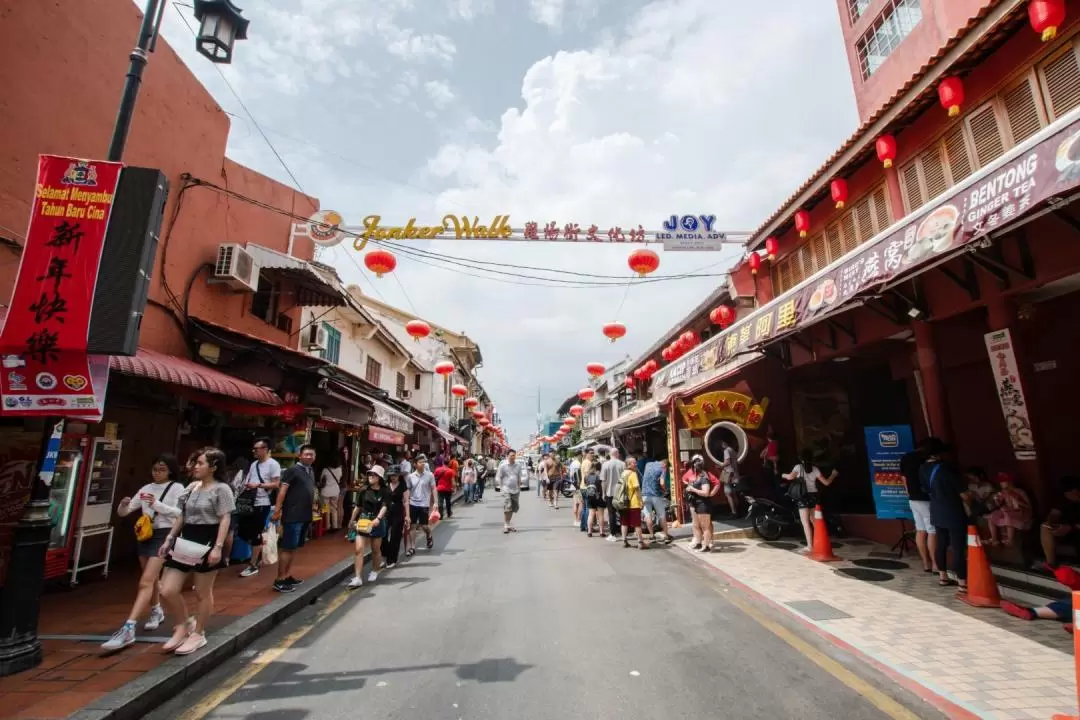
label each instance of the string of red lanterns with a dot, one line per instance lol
(417, 329)
(722, 315)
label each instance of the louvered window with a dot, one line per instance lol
(958, 153)
(847, 232)
(1022, 112)
(834, 241)
(986, 134)
(882, 216)
(1060, 79)
(820, 251)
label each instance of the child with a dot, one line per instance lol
(1013, 512)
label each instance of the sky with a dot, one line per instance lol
(613, 112)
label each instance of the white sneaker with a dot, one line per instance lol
(612, 538)
(121, 638)
(372, 576)
(249, 571)
(157, 616)
(356, 582)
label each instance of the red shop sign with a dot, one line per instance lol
(384, 436)
(44, 369)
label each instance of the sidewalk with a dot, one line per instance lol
(77, 679)
(889, 611)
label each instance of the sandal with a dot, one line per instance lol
(430, 542)
(947, 583)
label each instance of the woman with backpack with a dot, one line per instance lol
(157, 502)
(803, 489)
(628, 502)
(594, 501)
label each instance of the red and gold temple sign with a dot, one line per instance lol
(709, 408)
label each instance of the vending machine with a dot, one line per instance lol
(65, 493)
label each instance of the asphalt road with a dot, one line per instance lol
(542, 623)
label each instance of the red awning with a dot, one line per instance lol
(181, 371)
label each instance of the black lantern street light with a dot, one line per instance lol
(221, 25)
(20, 649)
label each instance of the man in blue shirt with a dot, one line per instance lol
(654, 484)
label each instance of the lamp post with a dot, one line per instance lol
(221, 24)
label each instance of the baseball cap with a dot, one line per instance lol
(377, 470)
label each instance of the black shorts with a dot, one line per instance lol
(250, 527)
(702, 507)
(595, 503)
(419, 515)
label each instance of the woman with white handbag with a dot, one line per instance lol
(196, 545)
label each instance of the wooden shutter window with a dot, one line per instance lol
(1022, 111)
(784, 274)
(847, 231)
(1061, 81)
(933, 171)
(881, 209)
(986, 135)
(819, 251)
(956, 150)
(864, 222)
(834, 242)
(809, 262)
(913, 194)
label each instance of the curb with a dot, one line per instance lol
(142, 695)
(928, 695)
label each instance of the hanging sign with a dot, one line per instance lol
(723, 406)
(885, 445)
(44, 368)
(384, 436)
(1011, 393)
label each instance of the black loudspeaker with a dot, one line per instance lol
(127, 261)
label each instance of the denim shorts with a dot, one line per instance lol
(655, 507)
(292, 535)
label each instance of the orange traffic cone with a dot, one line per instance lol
(822, 550)
(982, 587)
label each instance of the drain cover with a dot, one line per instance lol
(817, 610)
(865, 574)
(879, 564)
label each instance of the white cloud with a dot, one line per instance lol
(440, 93)
(470, 9)
(552, 13)
(416, 47)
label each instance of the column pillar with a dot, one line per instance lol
(896, 197)
(933, 389)
(1001, 315)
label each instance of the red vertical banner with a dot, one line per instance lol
(44, 368)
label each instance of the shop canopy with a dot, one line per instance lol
(641, 417)
(153, 365)
(382, 414)
(314, 289)
(1042, 171)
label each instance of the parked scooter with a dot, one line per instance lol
(770, 518)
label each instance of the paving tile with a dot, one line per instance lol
(58, 706)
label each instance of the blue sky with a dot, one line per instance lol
(589, 111)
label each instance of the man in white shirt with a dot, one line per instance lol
(610, 473)
(422, 498)
(263, 477)
(508, 478)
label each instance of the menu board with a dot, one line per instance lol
(101, 482)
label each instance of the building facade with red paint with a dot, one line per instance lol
(940, 296)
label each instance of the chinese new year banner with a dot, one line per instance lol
(44, 368)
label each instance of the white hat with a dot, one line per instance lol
(377, 470)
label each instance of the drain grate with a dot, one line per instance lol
(817, 610)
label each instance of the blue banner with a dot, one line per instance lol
(885, 445)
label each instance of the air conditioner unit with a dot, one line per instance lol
(236, 268)
(317, 338)
(405, 394)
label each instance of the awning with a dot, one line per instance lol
(991, 202)
(187, 373)
(641, 417)
(382, 414)
(314, 289)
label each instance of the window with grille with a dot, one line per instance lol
(856, 8)
(373, 374)
(400, 384)
(333, 344)
(890, 28)
(416, 381)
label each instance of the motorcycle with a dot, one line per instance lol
(770, 518)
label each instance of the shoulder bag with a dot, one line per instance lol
(245, 501)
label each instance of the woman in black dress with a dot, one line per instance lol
(397, 519)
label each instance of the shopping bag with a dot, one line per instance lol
(269, 540)
(434, 517)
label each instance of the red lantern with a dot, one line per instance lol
(571, 422)
(380, 262)
(444, 367)
(838, 190)
(614, 330)
(483, 422)
(577, 410)
(478, 415)
(651, 367)
(629, 383)
(755, 263)
(1046, 16)
(722, 315)
(950, 92)
(586, 394)
(417, 329)
(595, 369)
(643, 262)
(666, 354)
(886, 150)
(564, 428)
(772, 246)
(470, 403)
(802, 222)
(459, 390)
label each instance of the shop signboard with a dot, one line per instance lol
(885, 445)
(1046, 166)
(384, 436)
(44, 368)
(1010, 393)
(101, 483)
(389, 418)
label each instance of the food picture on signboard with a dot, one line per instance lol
(1067, 159)
(824, 294)
(935, 234)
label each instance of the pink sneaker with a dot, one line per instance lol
(180, 634)
(195, 641)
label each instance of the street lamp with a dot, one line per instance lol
(221, 24)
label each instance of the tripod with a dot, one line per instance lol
(906, 541)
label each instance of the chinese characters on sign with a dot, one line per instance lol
(44, 368)
(1010, 393)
